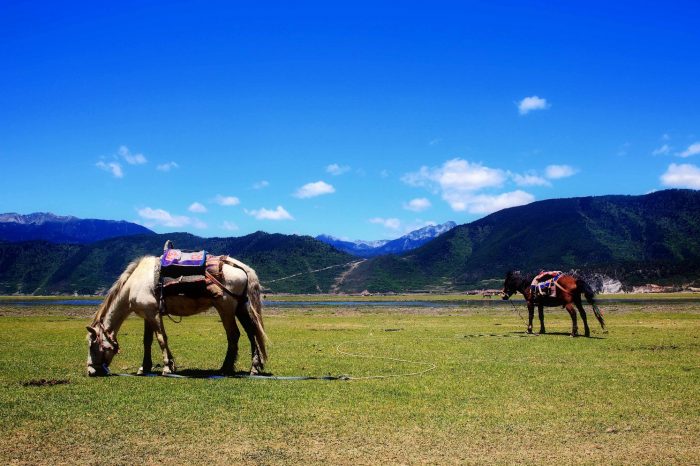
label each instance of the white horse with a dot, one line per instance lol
(135, 291)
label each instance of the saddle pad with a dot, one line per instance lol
(194, 284)
(176, 263)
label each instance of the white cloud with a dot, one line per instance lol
(457, 180)
(335, 169)
(114, 167)
(390, 223)
(555, 172)
(384, 173)
(197, 223)
(264, 214)
(486, 203)
(663, 150)
(314, 189)
(417, 205)
(435, 142)
(164, 218)
(682, 176)
(529, 179)
(456, 175)
(226, 200)
(197, 207)
(693, 149)
(131, 159)
(229, 226)
(529, 104)
(459, 183)
(261, 184)
(166, 167)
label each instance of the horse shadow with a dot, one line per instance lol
(215, 373)
(559, 334)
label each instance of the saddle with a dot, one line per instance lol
(544, 284)
(195, 274)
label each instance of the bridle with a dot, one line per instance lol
(105, 340)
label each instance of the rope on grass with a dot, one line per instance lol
(428, 367)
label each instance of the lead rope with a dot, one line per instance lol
(517, 309)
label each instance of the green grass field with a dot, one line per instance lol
(631, 396)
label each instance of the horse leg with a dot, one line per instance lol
(147, 363)
(540, 314)
(581, 311)
(256, 360)
(228, 319)
(530, 315)
(574, 324)
(156, 323)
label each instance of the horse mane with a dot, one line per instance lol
(114, 291)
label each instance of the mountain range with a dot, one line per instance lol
(63, 229)
(654, 238)
(405, 243)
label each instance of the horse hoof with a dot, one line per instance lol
(529, 331)
(227, 371)
(542, 332)
(141, 371)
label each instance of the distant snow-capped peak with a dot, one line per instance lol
(431, 231)
(37, 218)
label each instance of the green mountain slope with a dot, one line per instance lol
(636, 238)
(45, 268)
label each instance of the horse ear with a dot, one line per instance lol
(91, 331)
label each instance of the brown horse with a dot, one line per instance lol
(568, 294)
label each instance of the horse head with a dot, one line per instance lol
(102, 346)
(510, 284)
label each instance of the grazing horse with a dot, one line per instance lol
(568, 294)
(136, 291)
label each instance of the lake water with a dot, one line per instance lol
(289, 304)
(496, 302)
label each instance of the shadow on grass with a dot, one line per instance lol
(558, 334)
(210, 373)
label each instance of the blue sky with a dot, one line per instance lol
(362, 120)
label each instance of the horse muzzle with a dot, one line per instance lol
(97, 371)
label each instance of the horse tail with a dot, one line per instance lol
(590, 298)
(254, 306)
(115, 291)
